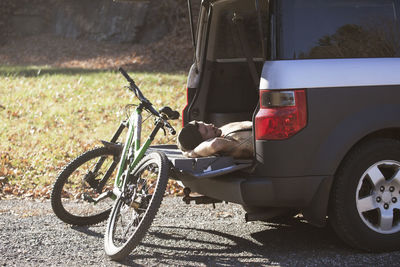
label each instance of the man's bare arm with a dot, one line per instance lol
(212, 147)
(233, 126)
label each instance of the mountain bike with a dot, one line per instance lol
(139, 180)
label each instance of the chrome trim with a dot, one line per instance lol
(323, 73)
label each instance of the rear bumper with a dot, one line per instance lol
(294, 192)
(308, 194)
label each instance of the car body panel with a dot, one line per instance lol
(329, 73)
(338, 118)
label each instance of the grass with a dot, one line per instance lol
(49, 116)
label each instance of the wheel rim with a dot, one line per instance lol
(378, 197)
(133, 205)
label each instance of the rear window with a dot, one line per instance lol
(337, 29)
(227, 41)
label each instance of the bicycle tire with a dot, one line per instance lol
(117, 247)
(68, 189)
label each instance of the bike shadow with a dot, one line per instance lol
(279, 244)
(92, 230)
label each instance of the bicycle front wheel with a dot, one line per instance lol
(75, 196)
(134, 211)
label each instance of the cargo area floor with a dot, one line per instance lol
(204, 167)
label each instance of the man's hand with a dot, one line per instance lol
(190, 154)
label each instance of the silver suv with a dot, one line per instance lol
(321, 82)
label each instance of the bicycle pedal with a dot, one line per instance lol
(135, 205)
(88, 198)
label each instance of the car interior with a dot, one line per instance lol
(228, 91)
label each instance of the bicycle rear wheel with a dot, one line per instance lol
(134, 211)
(80, 183)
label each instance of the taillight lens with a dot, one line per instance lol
(282, 114)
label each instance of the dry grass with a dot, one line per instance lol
(50, 115)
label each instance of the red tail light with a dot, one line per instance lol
(282, 114)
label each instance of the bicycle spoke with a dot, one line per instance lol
(78, 183)
(142, 198)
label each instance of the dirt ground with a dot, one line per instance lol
(171, 54)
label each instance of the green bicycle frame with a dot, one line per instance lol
(132, 149)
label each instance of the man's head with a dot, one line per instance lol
(194, 133)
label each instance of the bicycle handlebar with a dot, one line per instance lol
(148, 105)
(126, 75)
(133, 87)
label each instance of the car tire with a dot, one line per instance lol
(365, 198)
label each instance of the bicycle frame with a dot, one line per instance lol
(132, 148)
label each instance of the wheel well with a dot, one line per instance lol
(389, 133)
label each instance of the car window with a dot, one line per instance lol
(227, 41)
(337, 29)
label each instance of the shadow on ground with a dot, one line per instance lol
(88, 230)
(35, 72)
(284, 245)
(171, 54)
(22, 71)
(290, 243)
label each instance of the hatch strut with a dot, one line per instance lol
(191, 23)
(238, 22)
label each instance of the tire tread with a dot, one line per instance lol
(338, 215)
(144, 225)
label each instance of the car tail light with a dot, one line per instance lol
(282, 114)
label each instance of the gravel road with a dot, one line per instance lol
(185, 235)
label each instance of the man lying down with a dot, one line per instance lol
(199, 139)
